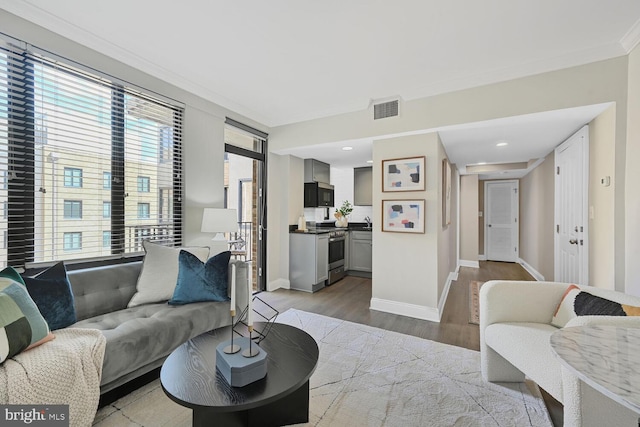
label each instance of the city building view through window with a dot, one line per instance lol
(94, 173)
(241, 179)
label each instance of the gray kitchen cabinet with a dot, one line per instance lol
(363, 186)
(360, 247)
(347, 251)
(308, 261)
(316, 171)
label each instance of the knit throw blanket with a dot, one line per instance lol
(64, 371)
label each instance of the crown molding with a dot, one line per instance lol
(632, 38)
(68, 30)
(569, 60)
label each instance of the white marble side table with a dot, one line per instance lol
(605, 357)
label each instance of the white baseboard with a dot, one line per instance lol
(277, 284)
(532, 271)
(472, 264)
(405, 309)
(443, 298)
(482, 257)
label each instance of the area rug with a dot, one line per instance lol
(474, 301)
(373, 377)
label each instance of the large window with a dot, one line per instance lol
(79, 146)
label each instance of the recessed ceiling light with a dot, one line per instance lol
(347, 148)
(369, 161)
(502, 144)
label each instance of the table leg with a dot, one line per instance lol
(291, 409)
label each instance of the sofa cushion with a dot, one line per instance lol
(21, 324)
(576, 302)
(201, 281)
(100, 290)
(526, 346)
(159, 274)
(51, 291)
(140, 335)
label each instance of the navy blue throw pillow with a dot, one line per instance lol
(51, 291)
(198, 281)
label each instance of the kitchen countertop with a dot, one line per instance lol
(324, 230)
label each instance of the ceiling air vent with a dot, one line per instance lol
(386, 109)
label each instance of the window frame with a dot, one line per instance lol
(27, 130)
(75, 181)
(147, 214)
(72, 205)
(106, 204)
(72, 235)
(144, 184)
(106, 180)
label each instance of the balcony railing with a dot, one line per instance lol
(240, 242)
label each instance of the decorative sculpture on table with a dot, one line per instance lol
(232, 348)
(240, 369)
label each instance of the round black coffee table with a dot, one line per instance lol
(189, 377)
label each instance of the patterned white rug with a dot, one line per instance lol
(372, 377)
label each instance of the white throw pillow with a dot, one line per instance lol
(159, 273)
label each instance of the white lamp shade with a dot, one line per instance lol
(216, 220)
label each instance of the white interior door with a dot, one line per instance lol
(501, 220)
(571, 200)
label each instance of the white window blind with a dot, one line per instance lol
(67, 135)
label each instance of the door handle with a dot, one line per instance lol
(489, 225)
(573, 241)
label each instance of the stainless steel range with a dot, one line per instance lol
(337, 241)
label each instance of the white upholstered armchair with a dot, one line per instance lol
(515, 328)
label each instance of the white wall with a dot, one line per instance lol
(469, 233)
(537, 191)
(632, 193)
(594, 83)
(405, 266)
(602, 201)
(342, 180)
(447, 234)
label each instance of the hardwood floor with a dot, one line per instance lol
(349, 299)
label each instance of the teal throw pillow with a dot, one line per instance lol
(51, 291)
(198, 281)
(21, 324)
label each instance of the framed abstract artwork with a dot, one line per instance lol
(406, 174)
(403, 216)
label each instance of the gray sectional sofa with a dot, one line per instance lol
(140, 338)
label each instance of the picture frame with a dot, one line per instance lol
(403, 216)
(446, 193)
(404, 174)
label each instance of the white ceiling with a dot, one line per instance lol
(282, 61)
